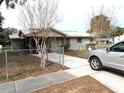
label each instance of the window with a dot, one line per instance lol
(79, 40)
(118, 47)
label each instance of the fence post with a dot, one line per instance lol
(30, 51)
(63, 57)
(79, 47)
(47, 53)
(6, 60)
(59, 50)
(15, 87)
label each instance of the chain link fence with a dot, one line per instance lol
(2, 64)
(82, 47)
(20, 63)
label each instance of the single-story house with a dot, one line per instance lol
(75, 40)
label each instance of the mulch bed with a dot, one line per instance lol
(84, 84)
(23, 66)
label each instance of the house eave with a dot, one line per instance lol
(78, 36)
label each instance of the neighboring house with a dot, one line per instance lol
(75, 40)
(118, 38)
(112, 39)
(106, 40)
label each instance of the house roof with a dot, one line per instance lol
(77, 34)
(105, 39)
(53, 29)
(52, 33)
(15, 36)
(25, 31)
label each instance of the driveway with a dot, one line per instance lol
(80, 67)
(113, 81)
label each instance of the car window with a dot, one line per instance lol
(118, 47)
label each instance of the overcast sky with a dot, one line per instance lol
(74, 13)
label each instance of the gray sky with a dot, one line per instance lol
(73, 12)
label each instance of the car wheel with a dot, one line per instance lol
(95, 63)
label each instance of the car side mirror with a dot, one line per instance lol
(108, 49)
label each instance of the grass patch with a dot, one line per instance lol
(11, 75)
(32, 69)
(2, 76)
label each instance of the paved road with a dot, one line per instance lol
(79, 67)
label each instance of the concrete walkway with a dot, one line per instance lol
(26, 85)
(69, 61)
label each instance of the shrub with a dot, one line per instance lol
(66, 46)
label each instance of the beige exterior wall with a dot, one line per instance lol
(74, 45)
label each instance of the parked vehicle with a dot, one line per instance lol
(111, 57)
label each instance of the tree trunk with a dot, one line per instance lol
(43, 56)
(42, 59)
(99, 43)
(41, 48)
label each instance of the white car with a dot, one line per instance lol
(111, 57)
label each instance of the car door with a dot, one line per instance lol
(115, 56)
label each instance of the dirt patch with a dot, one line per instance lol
(84, 84)
(21, 66)
(80, 54)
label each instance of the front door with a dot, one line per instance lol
(48, 44)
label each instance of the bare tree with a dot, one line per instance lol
(39, 16)
(102, 22)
